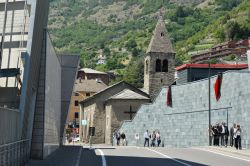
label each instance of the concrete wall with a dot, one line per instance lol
(9, 97)
(38, 21)
(9, 125)
(56, 83)
(186, 123)
(69, 66)
(52, 114)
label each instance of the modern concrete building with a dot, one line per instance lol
(194, 72)
(38, 83)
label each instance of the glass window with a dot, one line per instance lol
(76, 115)
(146, 66)
(76, 103)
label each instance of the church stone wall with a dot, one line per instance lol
(155, 80)
(186, 123)
(115, 114)
(99, 119)
(99, 124)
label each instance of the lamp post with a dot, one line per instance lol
(209, 102)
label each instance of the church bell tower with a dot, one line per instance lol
(159, 64)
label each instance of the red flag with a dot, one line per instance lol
(169, 97)
(217, 86)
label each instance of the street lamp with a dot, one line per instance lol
(209, 102)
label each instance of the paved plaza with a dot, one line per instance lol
(102, 155)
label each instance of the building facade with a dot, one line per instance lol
(82, 90)
(106, 110)
(44, 84)
(90, 74)
(193, 72)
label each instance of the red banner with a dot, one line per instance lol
(169, 97)
(217, 86)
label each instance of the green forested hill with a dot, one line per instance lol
(121, 29)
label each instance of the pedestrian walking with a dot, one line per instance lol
(219, 126)
(216, 135)
(238, 137)
(118, 137)
(153, 139)
(123, 139)
(146, 137)
(114, 138)
(226, 134)
(158, 138)
(211, 133)
(231, 133)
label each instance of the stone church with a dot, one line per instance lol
(108, 109)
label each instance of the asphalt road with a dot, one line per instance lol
(132, 156)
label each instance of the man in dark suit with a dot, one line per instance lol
(226, 134)
(231, 133)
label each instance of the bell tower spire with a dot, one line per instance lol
(159, 65)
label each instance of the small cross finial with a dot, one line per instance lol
(161, 13)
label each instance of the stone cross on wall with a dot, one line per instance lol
(130, 112)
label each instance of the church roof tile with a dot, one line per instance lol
(128, 94)
(160, 41)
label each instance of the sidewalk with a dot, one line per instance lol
(229, 150)
(64, 156)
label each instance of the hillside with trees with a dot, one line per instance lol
(121, 30)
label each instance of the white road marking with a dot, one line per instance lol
(223, 154)
(103, 158)
(79, 157)
(169, 157)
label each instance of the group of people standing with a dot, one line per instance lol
(155, 138)
(119, 138)
(220, 133)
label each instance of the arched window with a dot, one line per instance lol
(162, 34)
(158, 65)
(146, 67)
(165, 65)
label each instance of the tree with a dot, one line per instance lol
(232, 28)
(135, 72)
(131, 44)
(135, 52)
(106, 51)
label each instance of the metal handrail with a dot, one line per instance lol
(12, 143)
(15, 153)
